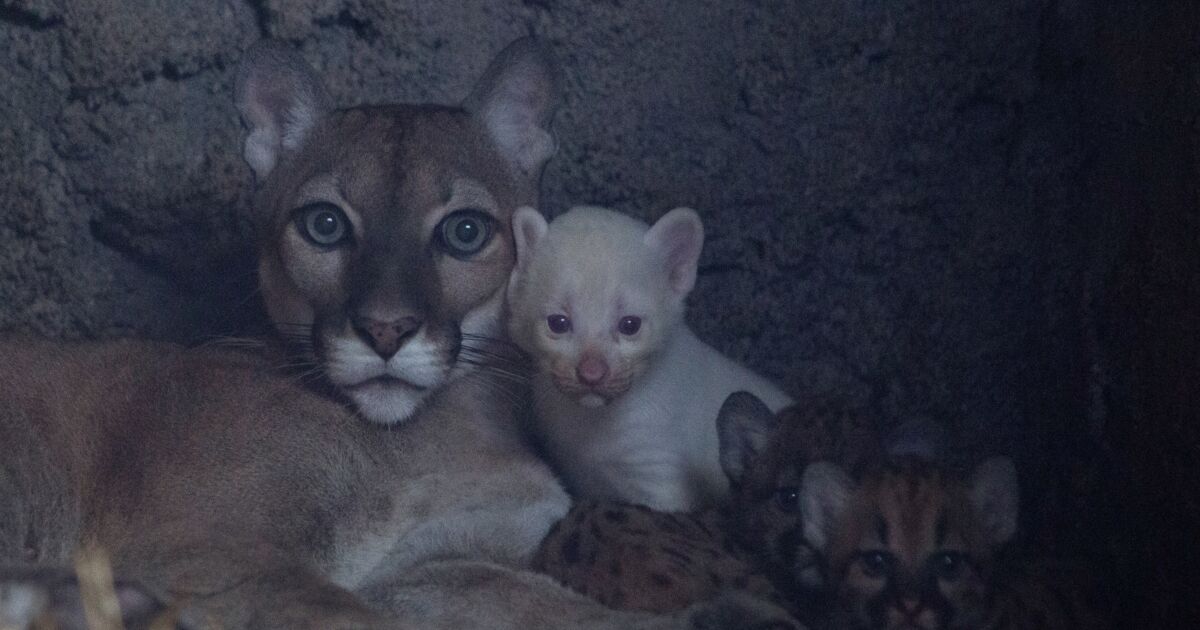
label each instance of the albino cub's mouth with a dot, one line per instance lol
(591, 397)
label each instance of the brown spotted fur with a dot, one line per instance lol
(632, 557)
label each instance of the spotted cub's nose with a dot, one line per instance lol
(385, 337)
(591, 370)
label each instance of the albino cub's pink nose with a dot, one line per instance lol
(591, 370)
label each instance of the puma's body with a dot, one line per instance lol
(218, 484)
(223, 484)
(160, 448)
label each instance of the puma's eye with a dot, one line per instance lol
(559, 324)
(465, 232)
(322, 224)
(629, 325)
(948, 565)
(875, 563)
(788, 498)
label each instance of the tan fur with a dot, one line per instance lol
(221, 483)
(889, 547)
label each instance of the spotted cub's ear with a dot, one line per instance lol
(678, 236)
(280, 100)
(515, 100)
(744, 428)
(995, 495)
(528, 226)
(825, 491)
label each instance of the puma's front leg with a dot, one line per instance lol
(250, 586)
(464, 595)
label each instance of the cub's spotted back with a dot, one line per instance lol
(633, 557)
(629, 556)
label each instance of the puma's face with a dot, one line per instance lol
(385, 236)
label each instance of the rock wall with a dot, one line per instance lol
(886, 186)
(900, 197)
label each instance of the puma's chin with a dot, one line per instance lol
(387, 391)
(386, 400)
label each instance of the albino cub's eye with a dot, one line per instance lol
(322, 224)
(629, 325)
(788, 498)
(465, 232)
(558, 324)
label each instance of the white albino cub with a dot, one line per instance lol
(625, 395)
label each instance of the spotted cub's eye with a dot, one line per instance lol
(875, 563)
(788, 498)
(322, 224)
(464, 232)
(558, 324)
(948, 565)
(629, 325)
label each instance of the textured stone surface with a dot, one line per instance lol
(873, 181)
(904, 200)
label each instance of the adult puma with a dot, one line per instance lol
(218, 482)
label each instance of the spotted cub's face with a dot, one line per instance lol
(910, 545)
(385, 230)
(764, 455)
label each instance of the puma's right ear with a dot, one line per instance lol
(514, 100)
(529, 226)
(824, 494)
(744, 428)
(280, 100)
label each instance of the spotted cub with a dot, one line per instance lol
(635, 558)
(911, 545)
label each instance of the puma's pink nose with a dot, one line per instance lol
(385, 338)
(591, 370)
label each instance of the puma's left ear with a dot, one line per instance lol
(280, 100)
(679, 237)
(514, 100)
(995, 495)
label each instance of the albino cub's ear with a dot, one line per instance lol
(996, 495)
(514, 100)
(280, 100)
(529, 226)
(679, 236)
(825, 491)
(744, 428)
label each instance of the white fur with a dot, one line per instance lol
(656, 442)
(420, 366)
